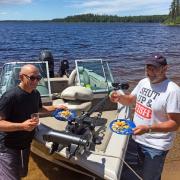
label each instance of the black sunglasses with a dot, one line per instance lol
(33, 78)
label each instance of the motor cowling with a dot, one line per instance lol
(46, 55)
(64, 66)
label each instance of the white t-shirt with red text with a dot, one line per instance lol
(153, 103)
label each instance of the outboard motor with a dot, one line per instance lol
(46, 55)
(64, 66)
(75, 143)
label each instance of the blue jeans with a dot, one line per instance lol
(147, 162)
(152, 162)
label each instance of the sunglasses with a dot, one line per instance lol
(33, 78)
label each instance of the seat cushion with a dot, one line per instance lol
(77, 93)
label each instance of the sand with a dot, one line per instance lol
(172, 165)
(41, 169)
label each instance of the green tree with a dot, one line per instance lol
(178, 7)
(174, 9)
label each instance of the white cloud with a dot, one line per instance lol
(15, 1)
(122, 6)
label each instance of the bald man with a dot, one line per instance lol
(16, 126)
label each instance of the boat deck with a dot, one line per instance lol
(101, 159)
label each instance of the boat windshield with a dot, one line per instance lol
(94, 74)
(9, 77)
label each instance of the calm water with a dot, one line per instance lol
(125, 46)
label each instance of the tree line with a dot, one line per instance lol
(115, 18)
(173, 18)
(174, 13)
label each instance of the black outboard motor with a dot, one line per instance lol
(75, 143)
(64, 66)
(46, 55)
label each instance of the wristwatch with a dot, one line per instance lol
(150, 128)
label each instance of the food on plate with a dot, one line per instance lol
(65, 113)
(119, 126)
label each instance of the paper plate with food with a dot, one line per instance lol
(122, 126)
(64, 114)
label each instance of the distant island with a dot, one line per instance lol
(95, 18)
(110, 18)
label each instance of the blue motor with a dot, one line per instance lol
(46, 55)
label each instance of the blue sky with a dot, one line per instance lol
(49, 9)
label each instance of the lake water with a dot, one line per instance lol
(125, 46)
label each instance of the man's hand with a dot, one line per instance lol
(60, 107)
(114, 96)
(141, 129)
(29, 124)
(49, 109)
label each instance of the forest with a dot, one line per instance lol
(173, 18)
(110, 18)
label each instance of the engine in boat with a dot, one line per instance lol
(78, 136)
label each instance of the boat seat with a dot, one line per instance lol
(84, 78)
(72, 80)
(76, 98)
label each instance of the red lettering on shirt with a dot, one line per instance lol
(143, 111)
